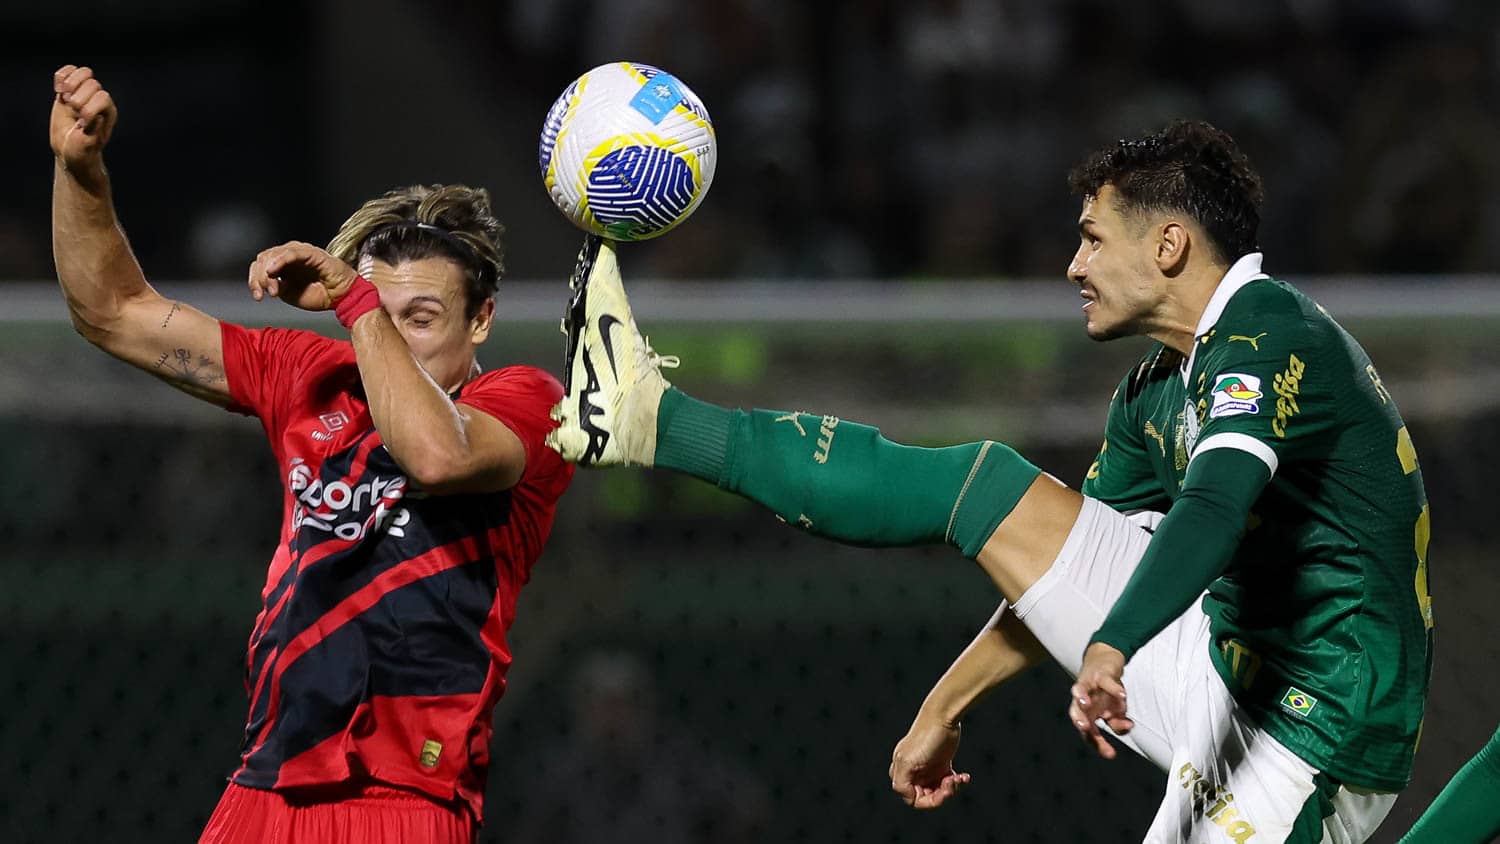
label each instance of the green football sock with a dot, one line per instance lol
(1466, 810)
(843, 480)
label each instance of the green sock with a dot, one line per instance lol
(1466, 810)
(842, 480)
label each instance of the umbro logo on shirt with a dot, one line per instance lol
(332, 424)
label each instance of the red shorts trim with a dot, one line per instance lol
(337, 814)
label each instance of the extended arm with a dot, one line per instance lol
(1192, 546)
(922, 763)
(108, 298)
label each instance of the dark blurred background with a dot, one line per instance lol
(868, 139)
(686, 669)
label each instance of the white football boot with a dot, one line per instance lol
(612, 377)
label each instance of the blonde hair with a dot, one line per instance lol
(398, 226)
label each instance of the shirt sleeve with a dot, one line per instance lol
(521, 397)
(1122, 475)
(1191, 547)
(262, 366)
(1269, 392)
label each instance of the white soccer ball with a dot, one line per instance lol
(627, 151)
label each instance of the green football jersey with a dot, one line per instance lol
(1322, 622)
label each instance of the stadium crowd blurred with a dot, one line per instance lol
(868, 139)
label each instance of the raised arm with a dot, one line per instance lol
(108, 298)
(444, 446)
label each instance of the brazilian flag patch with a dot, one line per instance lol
(1298, 702)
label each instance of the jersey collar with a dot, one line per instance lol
(1244, 271)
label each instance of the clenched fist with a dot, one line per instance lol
(302, 275)
(83, 116)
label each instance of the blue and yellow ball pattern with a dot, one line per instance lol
(627, 151)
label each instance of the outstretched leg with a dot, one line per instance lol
(1059, 560)
(831, 477)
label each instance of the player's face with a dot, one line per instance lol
(1113, 269)
(425, 299)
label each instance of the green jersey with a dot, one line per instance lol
(1321, 625)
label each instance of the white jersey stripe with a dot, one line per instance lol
(1240, 442)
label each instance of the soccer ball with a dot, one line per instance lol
(627, 151)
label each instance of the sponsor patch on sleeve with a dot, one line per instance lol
(1235, 393)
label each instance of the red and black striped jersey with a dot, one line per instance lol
(379, 651)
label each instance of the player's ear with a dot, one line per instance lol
(1172, 245)
(479, 326)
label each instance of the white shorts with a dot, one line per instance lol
(1227, 780)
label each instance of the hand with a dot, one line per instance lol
(922, 764)
(1099, 694)
(83, 117)
(302, 275)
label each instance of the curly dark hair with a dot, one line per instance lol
(1190, 167)
(385, 228)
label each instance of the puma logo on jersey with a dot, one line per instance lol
(1156, 435)
(1253, 341)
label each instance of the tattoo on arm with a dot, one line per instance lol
(179, 365)
(176, 306)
